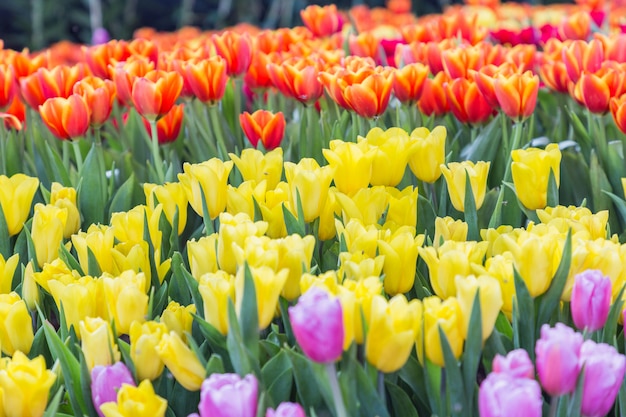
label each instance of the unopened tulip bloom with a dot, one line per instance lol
(408, 82)
(490, 300)
(369, 98)
(219, 391)
(144, 338)
(97, 342)
(286, 410)
(591, 300)
(429, 154)
(207, 79)
(517, 94)
(236, 49)
(392, 150)
(558, 358)
(106, 382)
(65, 198)
(234, 230)
(25, 384)
(447, 316)
(216, 289)
(208, 178)
(181, 361)
(16, 329)
(531, 173)
(133, 401)
(297, 78)
(311, 182)
(67, 118)
(125, 299)
(400, 252)
(7, 270)
(168, 127)
(268, 285)
(352, 165)
(447, 228)
(455, 175)
(47, 231)
(317, 322)
(322, 20)
(178, 318)
(99, 95)
(255, 165)
(617, 106)
(265, 126)
(504, 395)
(516, 363)
(16, 197)
(155, 93)
(173, 197)
(603, 376)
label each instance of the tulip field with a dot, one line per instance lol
(375, 214)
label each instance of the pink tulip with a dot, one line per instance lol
(228, 395)
(286, 410)
(502, 394)
(603, 376)
(517, 364)
(558, 353)
(317, 323)
(591, 300)
(106, 381)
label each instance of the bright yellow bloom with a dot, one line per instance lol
(501, 268)
(98, 343)
(367, 205)
(426, 162)
(138, 401)
(65, 198)
(311, 182)
(272, 209)
(400, 252)
(256, 166)
(393, 328)
(209, 178)
(448, 316)
(241, 199)
(7, 270)
(216, 289)
(78, 298)
(234, 230)
(25, 384)
(16, 197)
(352, 165)
(326, 228)
(181, 361)
(128, 226)
(363, 292)
(173, 197)
(358, 237)
(447, 228)
(47, 231)
(144, 338)
(16, 328)
(357, 266)
(584, 224)
(125, 299)
(178, 318)
(57, 270)
(490, 300)
(268, 285)
(100, 239)
(30, 289)
(455, 177)
(295, 254)
(402, 210)
(531, 172)
(202, 255)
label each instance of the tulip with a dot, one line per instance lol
(16, 329)
(531, 172)
(447, 228)
(178, 318)
(295, 254)
(502, 394)
(402, 207)
(367, 205)
(236, 49)
(558, 358)
(216, 289)
(455, 175)
(358, 266)
(67, 118)
(448, 317)
(297, 78)
(408, 82)
(579, 56)
(234, 230)
(254, 165)
(268, 285)
(591, 300)
(466, 101)
(317, 325)
(617, 106)
(173, 197)
(134, 401)
(168, 127)
(181, 361)
(124, 74)
(125, 299)
(400, 252)
(25, 384)
(99, 239)
(393, 327)
(265, 126)
(490, 300)
(516, 363)
(203, 255)
(429, 154)
(144, 338)
(98, 95)
(517, 94)
(595, 90)
(286, 410)
(219, 391)
(45, 84)
(370, 97)
(98, 343)
(241, 199)
(47, 231)
(537, 259)
(207, 79)
(7, 271)
(8, 86)
(603, 377)
(433, 99)
(352, 165)
(106, 382)
(322, 21)
(65, 198)
(311, 182)
(155, 93)
(210, 179)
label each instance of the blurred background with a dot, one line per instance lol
(36, 24)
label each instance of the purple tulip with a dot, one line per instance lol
(317, 322)
(502, 394)
(228, 395)
(603, 376)
(558, 353)
(106, 381)
(517, 364)
(591, 300)
(99, 36)
(286, 410)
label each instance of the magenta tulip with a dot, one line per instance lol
(558, 354)
(106, 381)
(228, 395)
(603, 376)
(286, 410)
(503, 395)
(591, 300)
(317, 322)
(517, 364)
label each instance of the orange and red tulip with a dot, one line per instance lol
(168, 126)
(457, 61)
(99, 95)
(579, 56)
(408, 82)
(236, 49)
(44, 84)
(124, 74)
(618, 110)
(524, 57)
(576, 26)
(461, 25)
(595, 90)
(466, 101)
(322, 21)
(24, 63)
(155, 93)
(297, 78)
(614, 46)
(144, 48)
(67, 118)
(370, 97)
(433, 99)
(517, 94)
(11, 121)
(265, 126)
(485, 80)
(207, 78)
(258, 76)
(8, 87)
(17, 109)
(99, 57)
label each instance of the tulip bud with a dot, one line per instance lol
(490, 300)
(7, 270)
(134, 401)
(173, 197)
(16, 329)
(98, 343)
(16, 199)
(558, 353)
(447, 228)
(268, 285)
(144, 338)
(219, 391)
(429, 154)
(447, 316)
(516, 363)
(286, 410)
(106, 381)
(591, 300)
(456, 174)
(312, 183)
(181, 361)
(352, 164)
(30, 289)
(531, 173)
(209, 178)
(47, 232)
(317, 322)
(216, 289)
(203, 255)
(178, 318)
(502, 394)
(125, 299)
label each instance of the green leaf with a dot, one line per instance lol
(610, 327)
(426, 217)
(124, 197)
(400, 401)
(93, 268)
(308, 393)
(239, 355)
(292, 224)
(370, 403)
(486, 144)
(577, 397)
(59, 172)
(472, 352)
(206, 218)
(249, 314)
(278, 378)
(179, 270)
(523, 317)
(215, 365)
(85, 384)
(553, 190)
(454, 380)
(5, 241)
(471, 216)
(51, 410)
(412, 374)
(69, 260)
(91, 191)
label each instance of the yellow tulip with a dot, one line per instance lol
(47, 231)
(402, 210)
(447, 228)
(181, 361)
(358, 237)
(393, 149)
(531, 172)
(364, 292)
(326, 229)
(56, 270)
(490, 300)
(256, 166)
(501, 268)
(295, 254)
(178, 318)
(65, 198)
(357, 265)
(173, 197)
(129, 226)
(26, 385)
(367, 205)
(202, 255)
(216, 289)
(16, 328)
(584, 224)
(257, 251)
(393, 327)
(16, 197)
(268, 285)
(125, 299)
(97, 342)
(30, 289)
(135, 257)
(352, 165)
(430, 153)
(537, 259)
(327, 280)
(311, 182)
(80, 299)
(455, 175)
(400, 252)
(234, 230)
(209, 178)
(139, 401)
(144, 337)
(7, 271)
(241, 199)
(100, 239)
(272, 210)
(448, 316)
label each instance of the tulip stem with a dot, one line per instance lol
(237, 91)
(77, 155)
(381, 387)
(218, 131)
(156, 153)
(334, 386)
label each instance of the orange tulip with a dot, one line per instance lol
(297, 78)
(23, 63)
(433, 99)
(8, 86)
(44, 84)
(523, 57)
(11, 121)
(461, 25)
(207, 79)
(236, 49)
(322, 21)
(408, 82)
(576, 26)
(366, 44)
(18, 110)
(265, 126)
(258, 76)
(618, 110)
(148, 49)
(614, 46)
(434, 54)
(517, 94)
(370, 97)
(99, 57)
(124, 74)
(99, 95)
(457, 61)
(168, 127)
(579, 56)
(67, 118)
(485, 80)
(467, 102)
(595, 90)
(154, 94)
(554, 75)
